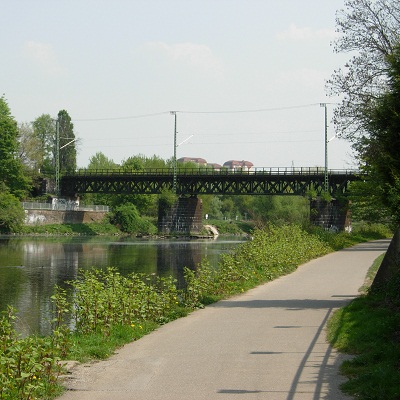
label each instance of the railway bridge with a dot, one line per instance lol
(191, 182)
(188, 183)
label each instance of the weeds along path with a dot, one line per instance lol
(268, 343)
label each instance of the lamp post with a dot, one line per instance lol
(57, 160)
(326, 181)
(174, 159)
(57, 187)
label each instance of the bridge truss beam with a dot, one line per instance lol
(198, 182)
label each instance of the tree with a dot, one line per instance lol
(100, 161)
(96, 162)
(12, 214)
(44, 128)
(281, 210)
(30, 148)
(11, 170)
(380, 150)
(67, 142)
(370, 30)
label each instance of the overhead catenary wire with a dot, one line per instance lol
(197, 112)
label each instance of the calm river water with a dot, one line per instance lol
(31, 266)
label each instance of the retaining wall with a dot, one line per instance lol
(45, 217)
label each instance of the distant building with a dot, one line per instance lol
(214, 166)
(196, 160)
(236, 165)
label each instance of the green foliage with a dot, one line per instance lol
(366, 201)
(128, 219)
(379, 151)
(100, 161)
(281, 210)
(362, 233)
(94, 228)
(273, 252)
(44, 128)
(167, 198)
(11, 170)
(215, 208)
(369, 328)
(12, 214)
(229, 227)
(103, 299)
(67, 148)
(29, 367)
(85, 347)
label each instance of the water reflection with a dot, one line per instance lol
(31, 267)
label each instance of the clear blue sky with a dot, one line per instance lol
(118, 67)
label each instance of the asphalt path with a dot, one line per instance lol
(268, 343)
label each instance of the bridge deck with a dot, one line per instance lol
(260, 181)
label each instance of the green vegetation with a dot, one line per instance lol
(29, 367)
(108, 310)
(11, 213)
(94, 228)
(369, 328)
(127, 218)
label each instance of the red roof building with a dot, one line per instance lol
(238, 165)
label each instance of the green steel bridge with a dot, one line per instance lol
(192, 182)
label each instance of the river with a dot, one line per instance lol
(31, 266)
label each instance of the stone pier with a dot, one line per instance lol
(331, 215)
(184, 217)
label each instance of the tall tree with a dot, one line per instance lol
(100, 161)
(67, 142)
(369, 30)
(367, 113)
(30, 148)
(11, 170)
(44, 128)
(380, 151)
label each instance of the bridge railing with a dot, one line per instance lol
(218, 172)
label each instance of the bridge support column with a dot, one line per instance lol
(330, 215)
(184, 217)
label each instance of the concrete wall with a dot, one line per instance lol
(43, 217)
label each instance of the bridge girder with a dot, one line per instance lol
(199, 182)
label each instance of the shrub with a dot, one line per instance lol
(128, 219)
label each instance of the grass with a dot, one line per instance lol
(94, 228)
(96, 346)
(369, 329)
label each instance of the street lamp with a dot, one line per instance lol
(326, 181)
(174, 159)
(58, 148)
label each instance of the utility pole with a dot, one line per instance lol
(174, 159)
(57, 188)
(326, 181)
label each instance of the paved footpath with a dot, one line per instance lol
(268, 343)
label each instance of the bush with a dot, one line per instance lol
(12, 214)
(29, 367)
(128, 219)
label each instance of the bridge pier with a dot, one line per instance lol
(330, 215)
(184, 217)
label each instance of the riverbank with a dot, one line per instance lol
(105, 228)
(369, 330)
(273, 252)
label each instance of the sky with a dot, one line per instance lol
(245, 77)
